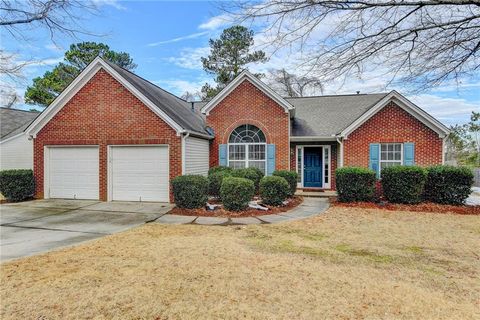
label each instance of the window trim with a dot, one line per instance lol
(388, 161)
(247, 159)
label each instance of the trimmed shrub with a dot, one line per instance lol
(355, 184)
(448, 184)
(190, 191)
(403, 184)
(236, 193)
(291, 177)
(215, 182)
(274, 190)
(17, 184)
(216, 169)
(253, 174)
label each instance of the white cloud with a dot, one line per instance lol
(44, 62)
(179, 87)
(112, 3)
(190, 36)
(53, 47)
(446, 109)
(216, 22)
(190, 58)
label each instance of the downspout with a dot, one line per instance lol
(340, 142)
(443, 148)
(184, 142)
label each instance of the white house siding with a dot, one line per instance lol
(196, 156)
(16, 153)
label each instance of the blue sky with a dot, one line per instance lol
(167, 39)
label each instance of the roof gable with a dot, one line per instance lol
(406, 105)
(246, 75)
(169, 108)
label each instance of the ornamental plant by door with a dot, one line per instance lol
(355, 184)
(274, 190)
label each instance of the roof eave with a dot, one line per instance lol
(312, 138)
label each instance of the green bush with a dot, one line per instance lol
(236, 193)
(215, 182)
(17, 184)
(190, 191)
(216, 169)
(253, 174)
(274, 190)
(448, 184)
(403, 184)
(291, 177)
(355, 184)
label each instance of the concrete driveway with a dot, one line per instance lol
(32, 227)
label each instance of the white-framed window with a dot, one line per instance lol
(391, 154)
(247, 147)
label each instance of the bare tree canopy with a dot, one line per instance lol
(291, 85)
(56, 16)
(421, 43)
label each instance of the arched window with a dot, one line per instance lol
(247, 148)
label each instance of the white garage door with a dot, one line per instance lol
(73, 172)
(139, 173)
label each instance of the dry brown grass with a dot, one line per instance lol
(349, 263)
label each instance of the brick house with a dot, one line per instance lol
(112, 135)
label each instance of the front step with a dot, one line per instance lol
(316, 194)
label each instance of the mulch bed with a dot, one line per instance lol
(421, 207)
(249, 212)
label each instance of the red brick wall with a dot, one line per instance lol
(393, 124)
(249, 105)
(104, 113)
(333, 159)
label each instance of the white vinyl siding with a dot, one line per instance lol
(196, 156)
(16, 153)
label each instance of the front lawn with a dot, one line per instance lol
(350, 263)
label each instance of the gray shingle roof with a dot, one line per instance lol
(325, 116)
(14, 121)
(177, 109)
(329, 115)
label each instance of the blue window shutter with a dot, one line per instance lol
(270, 159)
(408, 154)
(222, 154)
(374, 162)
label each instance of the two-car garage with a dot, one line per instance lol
(134, 173)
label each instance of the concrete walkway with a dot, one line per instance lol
(309, 208)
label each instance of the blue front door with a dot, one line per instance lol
(312, 168)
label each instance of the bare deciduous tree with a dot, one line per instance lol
(8, 95)
(291, 85)
(191, 96)
(422, 43)
(22, 19)
(18, 18)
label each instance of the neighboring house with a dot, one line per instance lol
(16, 151)
(112, 135)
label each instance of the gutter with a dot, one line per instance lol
(198, 135)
